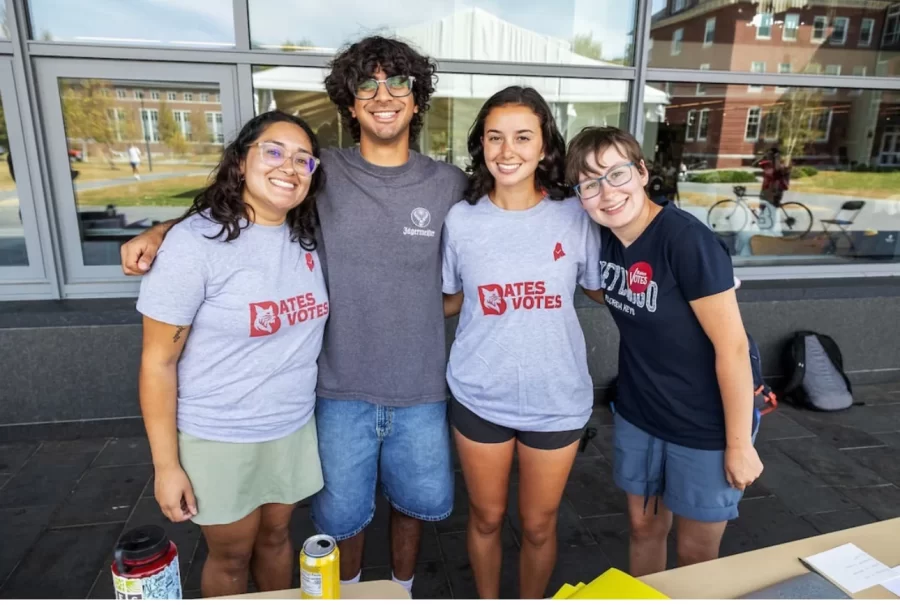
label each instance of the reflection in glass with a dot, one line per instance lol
(850, 37)
(199, 23)
(569, 32)
(136, 159)
(838, 157)
(12, 233)
(576, 103)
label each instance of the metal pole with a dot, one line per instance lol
(147, 126)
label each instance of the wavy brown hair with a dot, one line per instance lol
(361, 60)
(550, 173)
(223, 202)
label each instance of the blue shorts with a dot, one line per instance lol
(408, 446)
(691, 482)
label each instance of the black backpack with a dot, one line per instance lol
(814, 366)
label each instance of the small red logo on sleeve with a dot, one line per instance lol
(264, 320)
(492, 302)
(310, 261)
(639, 276)
(558, 252)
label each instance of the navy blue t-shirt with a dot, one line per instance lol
(667, 382)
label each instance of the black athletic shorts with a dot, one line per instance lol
(474, 427)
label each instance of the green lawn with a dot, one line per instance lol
(879, 185)
(169, 192)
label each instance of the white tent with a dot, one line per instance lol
(475, 34)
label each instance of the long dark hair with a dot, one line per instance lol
(360, 60)
(551, 171)
(222, 201)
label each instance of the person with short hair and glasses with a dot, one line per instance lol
(685, 422)
(234, 315)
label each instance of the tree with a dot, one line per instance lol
(584, 45)
(86, 110)
(170, 131)
(199, 131)
(800, 114)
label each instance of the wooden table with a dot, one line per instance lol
(378, 589)
(732, 577)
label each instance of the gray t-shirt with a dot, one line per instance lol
(519, 357)
(257, 307)
(381, 244)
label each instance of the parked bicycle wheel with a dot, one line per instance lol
(796, 221)
(727, 216)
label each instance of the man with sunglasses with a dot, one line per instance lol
(381, 412)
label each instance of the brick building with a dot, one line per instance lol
(728, 125)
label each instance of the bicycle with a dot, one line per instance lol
(730, 216)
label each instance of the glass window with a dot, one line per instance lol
(199, 23)
(576, 103)
(677, 38)
(13, 252)
(843, 152)
(774, 32)
(132, 166)
(703, 125)
(204, 97)
(689, 125)
(517, 31)
(709, 34)
(839, 32)
(171, 96)
(892, 26)
(791, 26)
(764, 28)
(701, 88)
(751, 129)
(121, 94)
(757, 67)
(866, 28)
(819, 26)
(832, 70)
(188, 97)
(154, 95)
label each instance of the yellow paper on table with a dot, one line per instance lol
(616, 584)
(567, 590)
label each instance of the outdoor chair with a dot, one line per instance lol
(843, 219)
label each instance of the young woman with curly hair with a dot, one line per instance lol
(514, 252)
(234, 313)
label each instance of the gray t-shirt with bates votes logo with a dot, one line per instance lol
(257, 307)
(381, 246)
(519, 358)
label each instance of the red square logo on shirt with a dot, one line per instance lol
(264, 320)
(492, 301)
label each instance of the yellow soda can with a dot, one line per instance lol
(320, 568)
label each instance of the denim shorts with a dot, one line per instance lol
(409, 447)
(691, 482)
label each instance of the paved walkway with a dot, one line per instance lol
(63, 505)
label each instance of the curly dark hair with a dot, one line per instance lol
(362, 59)
(222, 201)
(550, 173)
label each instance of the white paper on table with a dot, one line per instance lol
(851, 567)
(894, 585)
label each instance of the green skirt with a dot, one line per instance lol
(231, 480)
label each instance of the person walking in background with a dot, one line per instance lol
(234, 314)
(134, 158)
(514, 252)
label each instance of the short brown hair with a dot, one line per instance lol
(594, 140)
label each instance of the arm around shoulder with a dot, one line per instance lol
(137, 254)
